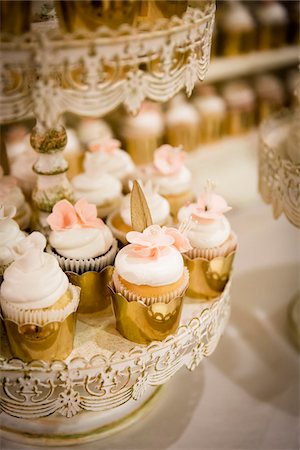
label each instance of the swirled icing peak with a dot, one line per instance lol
(154, 239)
(81, 215)
(168, 160)
(209, 206)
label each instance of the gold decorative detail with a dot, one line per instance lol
(140, 213)
(94, 294)
(52, 341)
(208, 278)
(144, 324)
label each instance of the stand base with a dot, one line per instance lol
(294, 319)
(85, 427)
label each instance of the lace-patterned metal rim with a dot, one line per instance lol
(49, 72)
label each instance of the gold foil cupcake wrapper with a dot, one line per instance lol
(80, 266)
(147, 301)
(94, 294)
(39, 317)
(208, 278)
(143, 324)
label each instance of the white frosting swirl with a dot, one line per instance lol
(11, 195)
(182, 113)
(210, 104)
(177, 183)
(237, 16)
(10, 235)
(146, 122)
(34, 280)
(271, 13)
(119, 164)
(159, 208)
(97, 189)
(207, 234)
(166, 269)
(81, 243)
(90, 129)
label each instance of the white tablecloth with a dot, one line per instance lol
(246, 395)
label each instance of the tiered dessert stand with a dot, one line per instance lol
(107, 379)
(279, 182)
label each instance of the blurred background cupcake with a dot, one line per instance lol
(270, 95)
(272, 18)
(89, 129)
(240, 102)
(143, 133)
(182, 124)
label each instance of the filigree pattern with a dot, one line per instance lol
(279, 178)
(48, 72)
(39, 389)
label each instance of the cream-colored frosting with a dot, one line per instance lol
(97, 188)
(166, 269)
(12, 195)
(269, 87)
(271, 13)
(10, 235)
(238, 94)
(210, 104)
(90, 129)
(146, 122)
(119, 164)
(182, 112)
(73, 144)
(159, 208)
(34, 280)
(236, 16)
(206, 234)
(16, 147)
(177, 183)
(21, 169)
(79, 243)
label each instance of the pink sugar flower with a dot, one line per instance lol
(108, 146)
(87, 214)
(209, 206)
(63, 216)
(168, 160)
(181, 242)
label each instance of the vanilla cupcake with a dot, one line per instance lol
(90, 129)
(212, 110)
(172, 178)
(120, 221)
(236, 29)
(11, 194)
(38, 303)
(182, 124)
(212, 241)
(270, 95)
(73, 154)
(240, 102)
(114, 161)
(148, 284)
(83, 245)
(10, 235)
(272, 18)
(143, 133)
(98, 187)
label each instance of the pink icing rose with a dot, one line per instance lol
(168, 160)
(154, 239)
(66, 216)
(209, 206)
(105, 145)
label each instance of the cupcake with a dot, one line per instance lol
(114, 161)
(38, 303)
(236, 29)
(172, 178)
(10, 235)
(83, 246)
(212, 110)
(73, 154)
(120, 221)
(213, 244)
(21, 170)
(98, 187)
(270, 95)
(272, 18)
(182, 124)
(240, 101)
(11, 195)
(90, 129)
(143, 133)
(16, 141)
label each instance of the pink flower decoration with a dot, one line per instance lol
(154, 239)
(168, 160)
(87, 214)
(106, 145)
(63, 216)
(210, 206)
(181, 242)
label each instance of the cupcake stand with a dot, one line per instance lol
(107, 382)
(279, 182)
